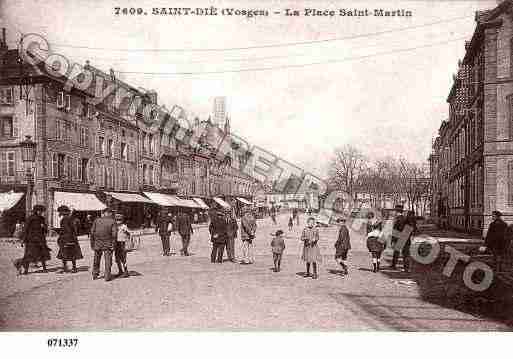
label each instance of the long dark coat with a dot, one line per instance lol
(69, 248)
(218, 227)
(343, 243)
(496, 240)
(183, 224)
(103, 234)
(232, 227)
(34, 239)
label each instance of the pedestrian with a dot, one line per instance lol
(120, 246)
(291, 222)
(76, 222)
(248, 228)
(372, 222)
(398, 227)
(69, 248)
(412, 223)
(184, 227)
(164, 227)
(277, 247)
(88, 224)
(295, 211)
(273, 214)
(311, 254)
(103, 237)
(342, 245)
(18, 230)
(497, 239)
(376, 246)
(232, 229)
(33, 239)
(218, 234)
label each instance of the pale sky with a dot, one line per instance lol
(388, 104)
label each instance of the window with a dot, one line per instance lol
(150, 144)
(60, 166)
(145, 174)
(6, 127)
(82, 172)
(124, 151)
(151, 175)
(7, 96)
(7, 164)
(60, 99)
(69, 167)
(83, 136)
(68, 103)
(79, 170)
(110, 148)
(101, 144)
(55, 165)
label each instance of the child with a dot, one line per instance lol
(119, 249)
(291, 222)
(311, 253)
(277, 246)
(342, 245)
(375, 246)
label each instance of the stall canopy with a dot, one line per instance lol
(165, 200)
(129, 197)
(244, 201)
(189, 203)
(9, 200)
(78, 201)
(222, 203)
(201, 203)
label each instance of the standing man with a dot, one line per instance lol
(218, 234)
(247, 234)
(163, 224)
(232, 228)
(399, 223)
(496, 240)
(183, 222)
(103, 237)
(273, 214)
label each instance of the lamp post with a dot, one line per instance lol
(28, 155)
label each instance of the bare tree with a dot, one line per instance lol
(346, 169)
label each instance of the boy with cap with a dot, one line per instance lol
(277, 246)
(119, 246)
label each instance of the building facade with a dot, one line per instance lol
(472, 157)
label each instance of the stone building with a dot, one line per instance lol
(472, 157)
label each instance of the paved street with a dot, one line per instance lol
(180, 293)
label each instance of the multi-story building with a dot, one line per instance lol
(472, 158)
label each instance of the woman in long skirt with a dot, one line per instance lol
(311, 253)
(69, 248)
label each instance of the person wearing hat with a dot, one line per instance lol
(248, 227)
(311, 254)
(103, 238)
(342, 245)
(497, 240)
(218, 234)
(33, 238)
(69, 248)
(119, 247)
(398, 227)
(277, 247)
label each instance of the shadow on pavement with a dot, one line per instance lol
(337, 272)
(364, 269)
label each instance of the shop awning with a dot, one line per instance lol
(78, 201)
(9, 200)
(129, 197)
(165, 200)
(201, 203)
(189, 203)
(222, 203)
(245, 201)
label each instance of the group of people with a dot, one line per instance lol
(108, 235)
(168, 224)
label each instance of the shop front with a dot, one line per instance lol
(132, 206)
(12, 211)
(81, 205)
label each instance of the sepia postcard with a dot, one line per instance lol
(255, 166)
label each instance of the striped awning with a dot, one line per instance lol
(222, 203)
(163, 199)
(9, 200)
(245, 201)
(78, 201)
(201, 203)
(129, 197)
(189, 203)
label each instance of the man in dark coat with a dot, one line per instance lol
(163, 230)
(34, 241)
(184, 227)
(342, 245)
(69, 248)
(232, 229)
(103, 237)
(496, 241)
(399, 224)
(218, 233)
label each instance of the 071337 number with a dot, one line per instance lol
(62, 342)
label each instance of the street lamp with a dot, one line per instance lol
(28, 155)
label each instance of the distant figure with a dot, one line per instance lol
(231, 230)
(311, 254)
(69, 248)
(120, 246)
(277, 247)
(291, 222)
(218, 234)
(342, 245)
(88, 224)
(103, 237)
(273, 214)
(164, 227)
(398, 226)
(295, 214)
(248, 228)
(34, 241)
(184, 228)
(412, 222)
(375, 245)
(497, 239)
